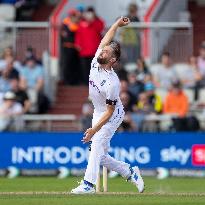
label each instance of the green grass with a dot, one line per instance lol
(40, 191)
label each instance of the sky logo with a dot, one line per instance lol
(198, 155)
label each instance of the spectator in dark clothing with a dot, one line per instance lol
(127, 124)
(21, 95)
(25, 9)
(69, 55)
(31, 53)
(88, 38)
(124, 88)
(8, 72)
(120, 71)
(132, 13)
(142, 70)
(125, 98)
(87, 116)
(135, 86)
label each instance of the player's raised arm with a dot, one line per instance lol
(122, 21)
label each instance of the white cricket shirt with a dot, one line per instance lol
(104, 86)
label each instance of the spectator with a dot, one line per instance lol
(10, 71)
(191, 76)
(141, 109)
(125, 98)
(135, 87)
(4, 84)
(165, 74)
(176, 103)
(120, 71)
(5, 74)
(127, 124)
(142, 70)
(81, 8)
(9, 109)
(88, 38)
(31, 53)
(124, 89)
(132, 13)
(69, 54)
(21, 95)
(154, 100)
(32, 80)
(8, 54)
(131, 36)
(87, 115)
(201, 63)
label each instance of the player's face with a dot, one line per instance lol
(105, 55)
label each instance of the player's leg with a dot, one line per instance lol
(99, 142)
(132, 174)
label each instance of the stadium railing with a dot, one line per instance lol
(156, 37)
(70, 122)
(51, 122)
(21, 35)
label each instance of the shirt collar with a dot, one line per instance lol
(107, 71)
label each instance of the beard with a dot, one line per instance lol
(102, 61)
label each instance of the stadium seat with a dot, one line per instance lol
(130, 67)
(181, 68)
(190, 95)
(201, 96)
(154, 68)
(162, 93)
(7, 12)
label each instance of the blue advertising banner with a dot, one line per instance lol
(147, 150)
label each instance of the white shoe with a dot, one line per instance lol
(136, 179)
(83, 189)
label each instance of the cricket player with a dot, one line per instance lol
(104, 90)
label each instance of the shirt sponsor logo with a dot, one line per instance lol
(198, 154)
(103, 82)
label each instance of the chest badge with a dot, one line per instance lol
(103, 82)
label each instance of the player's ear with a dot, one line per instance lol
(113, 60)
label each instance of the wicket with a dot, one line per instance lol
(98, 186)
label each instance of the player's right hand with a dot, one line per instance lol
(123, 21)
(88, 135)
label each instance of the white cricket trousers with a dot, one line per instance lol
(100, 145)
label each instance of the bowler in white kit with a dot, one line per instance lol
(104, 90)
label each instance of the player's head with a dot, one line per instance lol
(110, 54)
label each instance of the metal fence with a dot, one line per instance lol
(151, 39)
(20, 35)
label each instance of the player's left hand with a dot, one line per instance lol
(88, 135)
